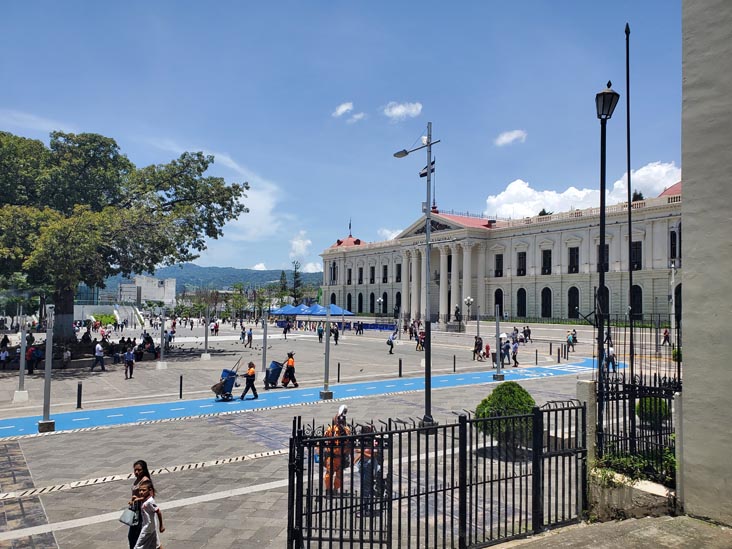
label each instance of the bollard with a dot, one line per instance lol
(339, 372)
(180, 390)
(536, 357)
(78, 396)
(559, 355)
(400, 367)
(550, 349)
(453, 364)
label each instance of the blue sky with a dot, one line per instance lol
(309, 100)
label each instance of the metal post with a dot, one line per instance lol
(180, 389)
(462, 481)
(600, 303)
(23, 349)
(78, 396)
(498, 376)
(206, 322)
(536, 357)
(453, 364)
(264, 344)
(477, 320)
(400, 367)
(537, 484)
(428, 419)
(161, 365)
(326, 393)
(339, 372)
(47, 424)
(550, 349)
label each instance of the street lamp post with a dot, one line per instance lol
(47, 424)
(605, 101)
(428, 419)
(379, 302)
(468, 303)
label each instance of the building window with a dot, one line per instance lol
(603, 259)
(398, 272)
(636, 256)
(372, 276)
(546, 262)
(521, 264)
(333, 273)
(673, 246)
(384, 274)
(360, 275)
(574, 261)
(348, 281)
(499, 265)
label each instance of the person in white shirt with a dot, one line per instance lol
(98, 357)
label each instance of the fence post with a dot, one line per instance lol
(400, 367)
(453, 364)
(559, 355)
(536, 357)
(537, 473)
(180, 388)
(550, 349)
(78, 396)
(462, 481)
(339, 372)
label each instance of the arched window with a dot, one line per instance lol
(636, 302)
(521, 303)
(573, 302)
(499, 301)
(360, 302)
(385, 303)
(603, 301)
(332, 299)
(546, 303)
(372, 303)
(349, 304)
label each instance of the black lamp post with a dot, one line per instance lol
(605, 101)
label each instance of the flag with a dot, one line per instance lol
(423, 173)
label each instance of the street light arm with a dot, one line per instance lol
(405, 152)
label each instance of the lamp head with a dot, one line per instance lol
(401, 154)
(605, 101)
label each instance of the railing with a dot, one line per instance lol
(467, 484)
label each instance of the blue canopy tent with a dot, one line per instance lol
(286, 310)
(335, 310)
(302, 309)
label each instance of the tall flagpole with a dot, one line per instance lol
(631, 313)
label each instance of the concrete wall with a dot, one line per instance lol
(707, 248)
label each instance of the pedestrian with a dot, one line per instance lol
(570, 342)
(610, 359)
(152, 517)
(98, 356)
(335, 334)
(142, 474)
(66, 357)
(320, 333)
(528, 334)
(5, 343)
(3, 357)
(249, 377)
(243, 336)
(478, 348)
(129, 363)
(514, 353)
(505, 352)
(666, 339)
(336, 451)
(390, 341)
(290, 370)
(368, 458)
(249, 338)
(487, 353)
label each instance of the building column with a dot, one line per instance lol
(443, 312)
(414, 293)
(424, 280)
(405, 283)
(481, 279)
(454, 278)
(467, 272)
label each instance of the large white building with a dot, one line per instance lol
(148, 288)
(543, 266)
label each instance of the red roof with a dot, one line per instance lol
(673, 190)
(465, 221)
(349, 241)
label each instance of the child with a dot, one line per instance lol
(150, 515)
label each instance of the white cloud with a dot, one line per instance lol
(27, 121)
(399, 111)
(342, 109)
(299, 245)
(356, 118)
(519, 199)
(312, 267)
(259, 267)
(388, 234)
(506, 138)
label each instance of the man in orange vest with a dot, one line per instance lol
(249, 377)
(289, 370)
(337, 451)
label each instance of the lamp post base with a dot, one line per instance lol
(47, 426)
(498, 377)
(20, 396)
(205, 356)
(326, 395)
(161, 365)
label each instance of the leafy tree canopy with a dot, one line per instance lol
(80, 211)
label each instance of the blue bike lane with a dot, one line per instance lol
(127, 415)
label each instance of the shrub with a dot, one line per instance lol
(507, 399)
(676, 354)
(105, 319)
(652, 410)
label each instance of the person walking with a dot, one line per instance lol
(142, 474)
(98, 357)
(250, 336)
(514, 353)
(570, 342)
(290, 370)
(129, 363)
(610, 360)
(505, 352)
(335, 334)
(152, 517)
(478, 348)
(249, 377)
(390, 341)
(666, 339)
(320, 333)
(337, 451)
(368, 458)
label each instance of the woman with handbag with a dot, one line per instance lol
(141, 472)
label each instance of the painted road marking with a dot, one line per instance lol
(8, 427)
(406, 384)
(391, 385)
(172, 410)
(148, 412)
(80, 419)
(115, 415)
(372, 387)
(206, 406)
(308, 394)
(350, 390)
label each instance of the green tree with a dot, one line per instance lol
(283, 289)
(85, 213)
(637, 196)
(239, 299)
(296, 283)
(543, 212)
(507, 399)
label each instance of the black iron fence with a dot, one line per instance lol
(636, 431)
(471, 483)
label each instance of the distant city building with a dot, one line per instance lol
(542, 266)
(147, 288)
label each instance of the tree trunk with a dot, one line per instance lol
(63, 325)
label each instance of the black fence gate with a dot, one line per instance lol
(471, 483)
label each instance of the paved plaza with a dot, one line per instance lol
(221, 478)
